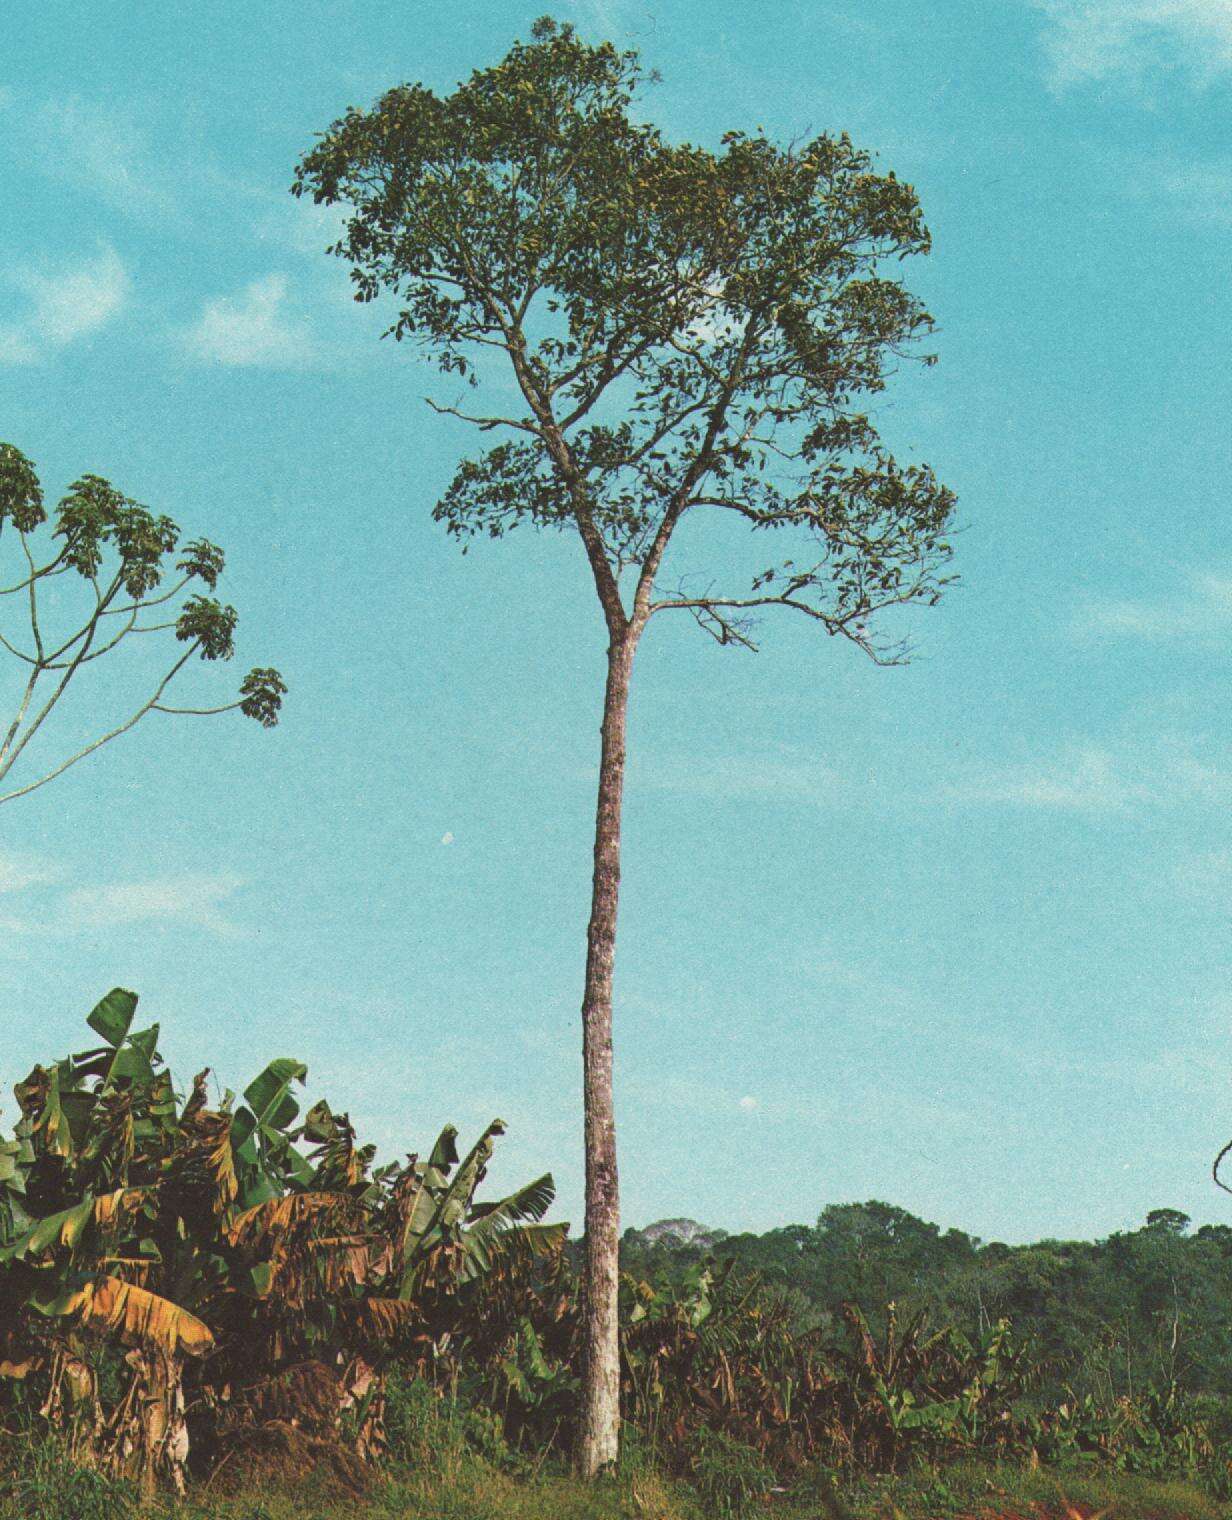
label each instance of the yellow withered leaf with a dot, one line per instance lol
(19, 1368)
(140, 1318)
(382, 1318)
(273, 1218)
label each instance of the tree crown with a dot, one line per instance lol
(688, 330)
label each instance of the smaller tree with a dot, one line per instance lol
(1168, 1221)
(123, 579)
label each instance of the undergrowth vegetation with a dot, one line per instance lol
(206, 1299)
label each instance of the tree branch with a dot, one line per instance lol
(69, 673)
(696, 471)
(484, 424)
(115, 733)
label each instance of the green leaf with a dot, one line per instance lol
(445, 1151)
(64, 1228)
(529, 1202)
(260, 1276)
(114, 1015)
(269, 1096)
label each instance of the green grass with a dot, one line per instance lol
(447, 1463)
(979, 1489)
(475, 1490)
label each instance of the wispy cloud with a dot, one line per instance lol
(1205, 877)
(767, 775)
(21, 869)
(253, 328)
(192, 900)
(64, 302)
(1203, 609)
(1090, 778)
(1091, 40)
(298, 222)
(97, 147)
(1201, 192)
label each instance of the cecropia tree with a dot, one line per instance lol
(689, 337)
(99, 572)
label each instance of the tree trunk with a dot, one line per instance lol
(599, 1432)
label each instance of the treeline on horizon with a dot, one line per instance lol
(1111, 1316)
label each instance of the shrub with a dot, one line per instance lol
(727, 1474)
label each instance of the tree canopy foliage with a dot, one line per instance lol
(100, 571)
(1142, 1306)
(687, 331)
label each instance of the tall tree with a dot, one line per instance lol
(689, 335)
(100, 571)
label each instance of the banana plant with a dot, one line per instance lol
(216, 1246)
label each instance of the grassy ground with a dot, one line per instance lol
(48, 1489)
(1005, 1492)
(448, 1463)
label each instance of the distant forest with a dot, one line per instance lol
(1110, 1317)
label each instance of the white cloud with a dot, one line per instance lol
(1204, 609)
(252, 328)
(65, 302)
(769, 775)
(1089, 40)
(307, 227)
(1089, 778)
(96, 147)
(1206, 877)
(1202, 191)
(748, 1104)
(192, 900)
(21, 870)
(447, 838)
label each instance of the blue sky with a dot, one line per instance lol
(955, 935)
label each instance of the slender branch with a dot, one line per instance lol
(198, 712)
(115, 733)
(19, 653)
(567, 467)
(557, 445)
(147, 602)
(34, 622)
(893, 655)
(484, 424)
(610, 371)
(22, 709)
(53, 567)
(69, 673)
(54, 662)
(697, 470)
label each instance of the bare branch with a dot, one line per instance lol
(484, 424)
(19, 653)
(850, 625)
(115, 733)
(697, 471)
(198, 712)
(34, 622)
(69, 673)
(22, 709)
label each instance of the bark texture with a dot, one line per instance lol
(599, 1433)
